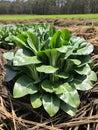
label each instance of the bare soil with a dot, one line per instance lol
(18, 114)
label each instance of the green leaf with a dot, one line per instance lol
(51, 104)
(75, 61)
(59, 88)
(65, 34)
(47, 86)
(84, 60)
(76, 41)
(52, 30)
(8, 55)
(47, 69)
(85, 49)
(84, 70)
(23, 86)
(21, 58)
(55, 41)
(63, 75)
(62, 49)
(68, 52)
(92, 76)
(80, 46)
(42, 57)
(36, 100)
(68, 109)
(70, 95)
(33, 41)
(69, 66)
(20, 40)
(82, 83)
(10, 74)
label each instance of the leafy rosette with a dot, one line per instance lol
(51, 66)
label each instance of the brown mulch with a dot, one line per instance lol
(17, 114)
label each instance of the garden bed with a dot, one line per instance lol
(19, 115)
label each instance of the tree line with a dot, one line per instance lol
(43, 7)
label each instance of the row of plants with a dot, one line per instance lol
(51, 66)
(6, 31)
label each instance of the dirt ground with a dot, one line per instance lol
(19, 115)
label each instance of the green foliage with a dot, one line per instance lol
(51, 66)
(6, 32)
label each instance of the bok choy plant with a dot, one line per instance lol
(51, 66)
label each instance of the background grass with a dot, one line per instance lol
(27, 17)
